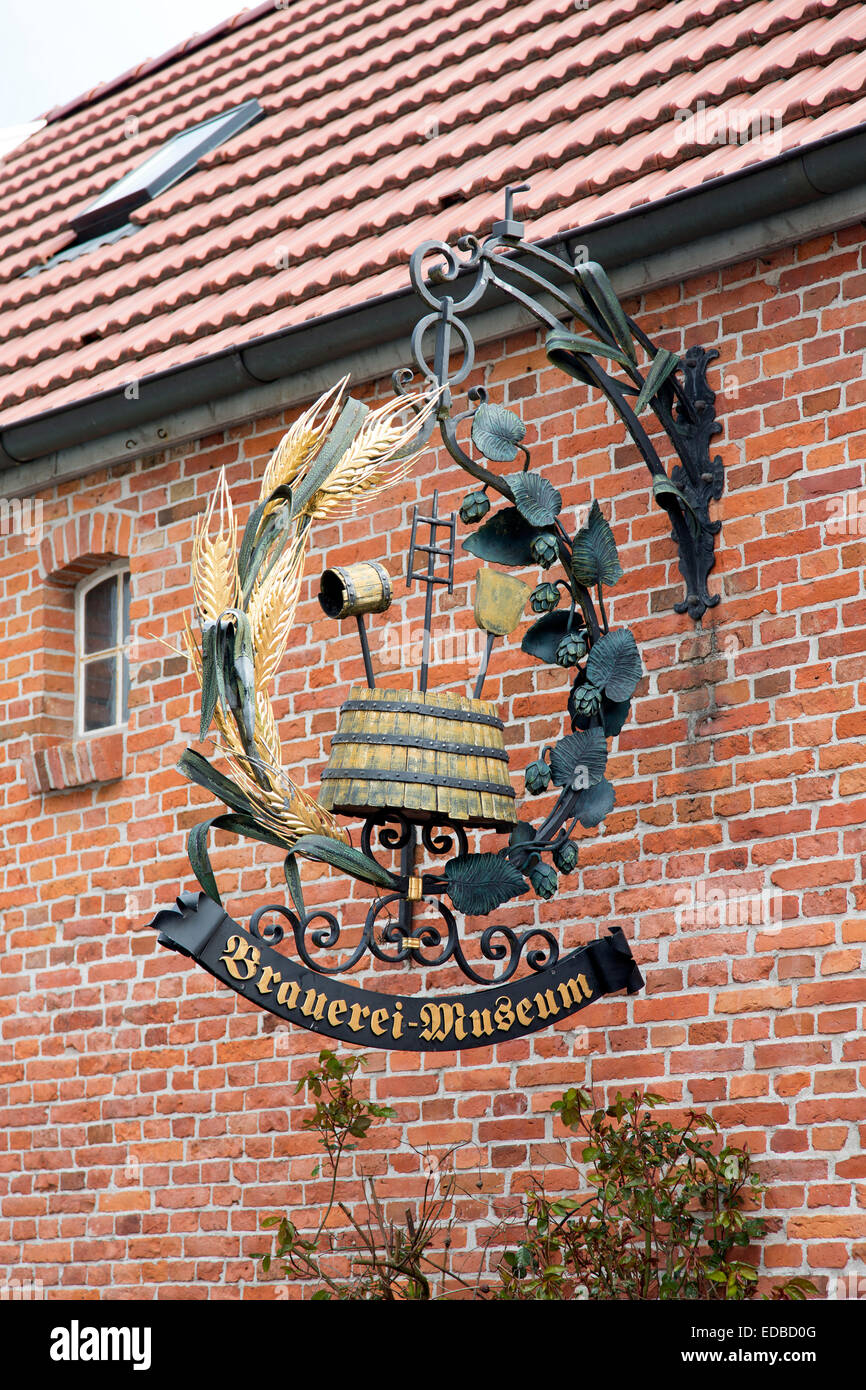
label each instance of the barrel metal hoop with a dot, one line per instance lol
(475, 750)
(433, 711)
(361, 775)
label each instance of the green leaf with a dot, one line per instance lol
(542, 639)
(196, 849)
(209, 686)
(251, 530)
(270, 543)
(614, 664)
(293, 880)
(199, 770)
(504, 538)
(661, 367)
(559, 342)
(559, 356)
(196, 846)
(345, 858)
(614, 713)
(536, 499)
(523, 834)
(347, 425)
(581, 758)
(478, 883)
(671, 499)
(594, 559)
(593, 280)
(496, 432)
(595, 803)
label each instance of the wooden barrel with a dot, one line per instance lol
(434, 756)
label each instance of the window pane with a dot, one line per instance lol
(176, 151)
(126, 606)
(99, 693)
(100, 616)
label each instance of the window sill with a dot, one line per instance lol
(80, 763)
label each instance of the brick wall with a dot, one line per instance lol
(149, 1115)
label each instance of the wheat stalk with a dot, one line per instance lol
(376, 458)
(214, 558)
(272, 608)
(302, 441)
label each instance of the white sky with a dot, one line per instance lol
(53, 50)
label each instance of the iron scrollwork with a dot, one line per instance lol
(549, 288)
(397, 940)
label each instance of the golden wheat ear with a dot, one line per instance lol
(376, 458)
(214, 557)
(302, 441)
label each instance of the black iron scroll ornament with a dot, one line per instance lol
(443, 784)
(557, 293)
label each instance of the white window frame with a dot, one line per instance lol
(118, 568)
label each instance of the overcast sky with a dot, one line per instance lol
(53, 50)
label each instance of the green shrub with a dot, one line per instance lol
(658, 1212)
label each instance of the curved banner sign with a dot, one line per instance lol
(199, 928)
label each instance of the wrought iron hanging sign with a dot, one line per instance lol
(432, 763)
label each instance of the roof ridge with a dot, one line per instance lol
(152, 65)
(149, 66)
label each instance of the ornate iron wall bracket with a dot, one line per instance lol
(554, 292)
(701, 479)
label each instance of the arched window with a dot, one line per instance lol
(102, 649)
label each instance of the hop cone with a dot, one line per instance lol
(475, 505)
(543, 549)
(544, 880)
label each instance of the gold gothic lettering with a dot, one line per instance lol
(445, 1022)
(239, 952)
(574, 991)
(263, 983)
(546, 1004)
(288, 993)
(314, 1004)
(523, 1009)
(440, 1019)
(336, 1009)
(481, 1025)
(504, 1014)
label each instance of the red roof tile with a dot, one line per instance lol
(379, 113)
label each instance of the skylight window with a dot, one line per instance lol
(170, 163)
